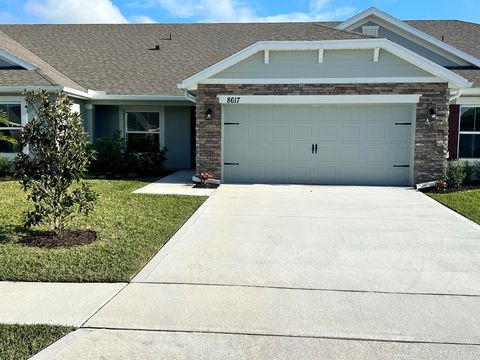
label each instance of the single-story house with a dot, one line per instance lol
(370, 100)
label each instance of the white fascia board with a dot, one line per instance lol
(319, 99)
(469, 100)
(141, 97)
(11, 58)
(353, 21)
(94, 95)
(452, 78)
(377, 80)
(474, 91)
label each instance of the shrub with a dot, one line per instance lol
(456, 173)
(147, 163)
(59, 154)
(111, 155)
(6, 166)
(476, 171)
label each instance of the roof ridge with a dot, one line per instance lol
(306, 25)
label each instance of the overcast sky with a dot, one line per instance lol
(141, 11)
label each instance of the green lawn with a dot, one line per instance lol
(465, 202)
(19, 342)
(131, 227)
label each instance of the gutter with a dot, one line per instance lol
(96, 95)
(474, 91)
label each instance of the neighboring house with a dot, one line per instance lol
(372, 100)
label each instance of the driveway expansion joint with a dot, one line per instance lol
(307, 289)
(282, 336)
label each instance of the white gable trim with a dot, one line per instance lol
(13, 59)
(356, 80)
(452, 78)
(359, 18)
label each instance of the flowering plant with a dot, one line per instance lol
(205, 176)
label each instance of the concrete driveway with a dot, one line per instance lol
(291, 272)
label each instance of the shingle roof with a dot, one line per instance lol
(45, 74)
(117, 59)
(22, 78)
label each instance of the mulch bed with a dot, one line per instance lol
(66, 239)
(205, 186)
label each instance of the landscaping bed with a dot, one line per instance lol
(131, 228)
(19, 342)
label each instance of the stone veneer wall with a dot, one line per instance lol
(431, 137)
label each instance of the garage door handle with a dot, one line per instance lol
(316, 148)
(313, 148)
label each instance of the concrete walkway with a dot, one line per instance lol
(291, 272)
(178, 183)
(69, 304)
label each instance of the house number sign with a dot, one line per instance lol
(233, 99)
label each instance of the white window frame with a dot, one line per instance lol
(460, 132)
(161, 131)
(15, 100)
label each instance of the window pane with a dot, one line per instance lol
(476, 146)
(142, 121)
(14, 115)
(477, 119)
(132, 121)
(6, 147)
(153, 121)
(466, 146)
(467, 119)
(143, 142)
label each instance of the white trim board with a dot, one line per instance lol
(318, 99)
(13, 59)
(454, 80)
(359, 18)
(378, 80)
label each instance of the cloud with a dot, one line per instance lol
(75, 11)
(209, 10)
(239, 11)
(143, 19)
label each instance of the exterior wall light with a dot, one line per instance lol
(209, 112)
(432, 113)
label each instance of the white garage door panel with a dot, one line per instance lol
(357, 144)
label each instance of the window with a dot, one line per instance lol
(143, 131)
(469, 142)
(13, 129)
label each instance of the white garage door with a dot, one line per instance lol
(341, 144)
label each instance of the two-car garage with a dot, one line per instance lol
(360, 144)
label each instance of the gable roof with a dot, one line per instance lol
(370, 43)
(402, 25)
(39, 72)
(117, 59)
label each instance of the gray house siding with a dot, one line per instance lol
(336, 63)
(177, 131)
(408, 44)
(177, 136)
(106, 120)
